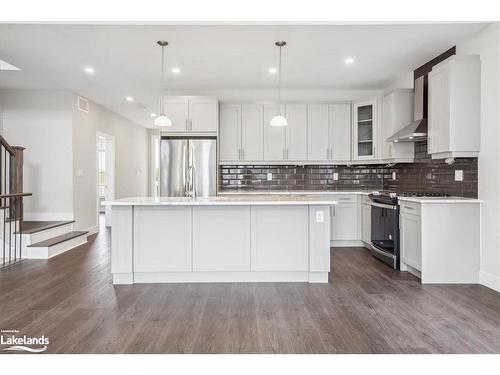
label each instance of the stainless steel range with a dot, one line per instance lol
(385, 224)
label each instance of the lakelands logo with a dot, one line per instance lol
(22, 343)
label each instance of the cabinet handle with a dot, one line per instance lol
(408, 207)
(242, 154)
(187, 124)
(328, 153)
(190, 124)
(284, 154)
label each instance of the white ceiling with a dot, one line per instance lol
(214, 57)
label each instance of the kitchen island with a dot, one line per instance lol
(221, 239)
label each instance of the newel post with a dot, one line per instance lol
(16, 170)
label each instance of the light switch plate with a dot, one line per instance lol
(459, 175)
(320, 216)
(393, 175)
(79, 172)
(269, 177)
(335, 177)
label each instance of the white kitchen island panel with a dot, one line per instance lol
(280, 236)
(162, 253)
(221, 240)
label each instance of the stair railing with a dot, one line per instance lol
(11, 203)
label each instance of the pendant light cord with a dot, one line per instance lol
(162, 78)
(279, 84)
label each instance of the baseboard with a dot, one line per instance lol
(92, 230)
(489, 280)
(348, 243)
(48, 216)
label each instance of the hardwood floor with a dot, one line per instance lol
(366, 308)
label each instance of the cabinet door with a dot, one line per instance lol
(202, 115)
(439, 109)
(318, 132)
(344, 222)
(366, 222)
(364, 130)
(340, 132)
(411, 253)
(176, 109)
(280, 238)
(296, 132)
(230, 132)
(168, 253)
(252, 132)
(221, 238)
(387, 125)
(274, 137)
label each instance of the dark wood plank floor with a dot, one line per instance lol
(366, 308)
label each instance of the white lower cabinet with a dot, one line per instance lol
(280, 238)
(345, 219)
(366, 220)
(221, 238)
(410, 235)
(167, 253)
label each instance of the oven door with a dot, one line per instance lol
(384, 236)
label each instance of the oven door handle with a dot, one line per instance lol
(382, 252)
(388, 206)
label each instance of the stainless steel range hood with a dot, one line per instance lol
(417, 130)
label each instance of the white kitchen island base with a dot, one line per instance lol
(170, 240)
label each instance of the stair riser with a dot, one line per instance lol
(48, 233)
(49, 252)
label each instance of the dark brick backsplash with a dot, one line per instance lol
(424, 175)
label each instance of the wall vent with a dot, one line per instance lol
(83, 104)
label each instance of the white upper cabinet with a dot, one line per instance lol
(296, 132)
(318, 132)
(454, 108)
(191, 114)
(177, 110)
(364, 130)
(202, 114)
(397, 113)
(230, 132)
(340, 133)
(274, 136)
(252, 132)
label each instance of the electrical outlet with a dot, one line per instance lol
(393, 175)
(459, 175)
(320, 216)
(335, 177)
(269, 176)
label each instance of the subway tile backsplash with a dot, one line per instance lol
(424, 175)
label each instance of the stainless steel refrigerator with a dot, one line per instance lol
(188, 167)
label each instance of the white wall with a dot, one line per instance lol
(131, 159)
(486, 43)
(41, 121)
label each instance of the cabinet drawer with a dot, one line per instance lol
(409, 207)
(346, 199)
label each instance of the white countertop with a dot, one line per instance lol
(225, 201)
(427, 200)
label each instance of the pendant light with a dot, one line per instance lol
(279, 119)
(162, 120)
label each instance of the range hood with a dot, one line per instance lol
(417, 130)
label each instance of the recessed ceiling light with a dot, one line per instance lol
(176, 70)
(349, 61)
(272, 70)
(153, 114)
(89, 70)
(129, 99)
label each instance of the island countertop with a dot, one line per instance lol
(248, 200)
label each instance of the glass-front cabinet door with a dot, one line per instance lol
(364, 130)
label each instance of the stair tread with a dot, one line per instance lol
(57, 240)
(30, 227)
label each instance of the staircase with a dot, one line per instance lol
(27, 239)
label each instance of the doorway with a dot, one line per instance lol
(105, 147)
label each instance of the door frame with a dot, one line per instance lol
(110, 168)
